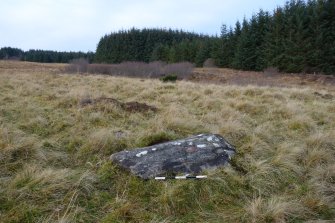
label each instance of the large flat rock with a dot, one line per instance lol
(186, 156)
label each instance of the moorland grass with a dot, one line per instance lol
(54, 152)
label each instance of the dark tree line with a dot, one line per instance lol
(9, 53)
(152, 45)
(43, 56)
(55, 57)
(298, 37)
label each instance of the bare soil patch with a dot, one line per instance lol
(132, 106)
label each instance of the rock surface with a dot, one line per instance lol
(185, 156)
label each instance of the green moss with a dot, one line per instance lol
(108, 173)
(156, 138)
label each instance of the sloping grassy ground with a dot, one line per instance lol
(54, 151)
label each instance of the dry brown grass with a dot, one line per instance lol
(54, 152)
(266, 78)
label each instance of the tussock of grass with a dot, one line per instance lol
(54, 152)
(275, 209)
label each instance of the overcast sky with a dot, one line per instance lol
(77, 25)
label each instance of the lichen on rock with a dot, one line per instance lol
(185, 156)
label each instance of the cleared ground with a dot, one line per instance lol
(54, 148)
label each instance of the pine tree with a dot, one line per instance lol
(204, 52)
(243, 53)
(327, 27)
(274, 39)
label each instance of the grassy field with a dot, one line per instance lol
(54, 149)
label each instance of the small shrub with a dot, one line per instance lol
(169, 78)
(183, 70)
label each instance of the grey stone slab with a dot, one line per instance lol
(185, 156)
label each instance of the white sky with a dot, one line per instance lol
(77, 25)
